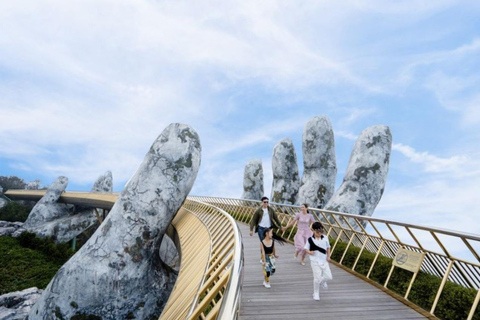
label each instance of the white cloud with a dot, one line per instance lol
(87, 86)
(460, 165)
(448, 204)
(409, 8)
(345, 135)
(458, 94)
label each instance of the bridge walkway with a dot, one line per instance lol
(290, 296)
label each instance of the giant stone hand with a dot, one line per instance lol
(118, 273)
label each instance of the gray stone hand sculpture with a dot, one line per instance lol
(364, 180)
(44, 218)
(104, 183)
(366, 174)
(285, 173)
(118, 273)
(253, 180)
(319, 163)
(49, 218)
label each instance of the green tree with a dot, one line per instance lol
(15, 211)
(12, 182)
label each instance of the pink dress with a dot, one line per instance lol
(303, 231)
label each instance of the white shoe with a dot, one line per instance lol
(316, 296)
(324, 286)
(266, 284)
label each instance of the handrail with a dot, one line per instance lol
(209, 282)
(101, 200)
(216, 295)
(450, 255)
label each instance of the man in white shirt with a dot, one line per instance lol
(264, 218)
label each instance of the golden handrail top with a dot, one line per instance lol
(451, 257)
(455, 233)
(222, 255)
(107, 200)
(90, 199)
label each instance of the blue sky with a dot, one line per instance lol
(87, 86)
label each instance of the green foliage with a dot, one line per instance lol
(455, 301)
(11, 182)
(61, 252)
(22, 267)
(15, 211)
(290, 233)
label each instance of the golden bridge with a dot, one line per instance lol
(220, 276)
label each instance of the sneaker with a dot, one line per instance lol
(316, 296)
(324, 286)
(266, 284)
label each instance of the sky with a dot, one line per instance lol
(87, 86)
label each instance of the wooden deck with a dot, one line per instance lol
(290, 297)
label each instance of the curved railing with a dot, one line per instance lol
(209, 281)
(209, 242)
(451, 256)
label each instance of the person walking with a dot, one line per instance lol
(267, 247)
(264, 218)
(304, 232)
(318, 247)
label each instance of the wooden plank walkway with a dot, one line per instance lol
(290, 297)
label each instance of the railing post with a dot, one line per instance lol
(474, 306)
(74, 243)
(410, 285)
(440, 289)
(375, 259)
(361, 251)
(389, 275)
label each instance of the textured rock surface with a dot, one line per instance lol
(319, 163)
(366, 174)
(286, 179)
(118, 273)
(3, 202)
(59, 221)
(84, 217)
(16, 305)
(47, 209)
(253, 180)
(104, 183)
(169, 253)
(8, 228)
(33, 185)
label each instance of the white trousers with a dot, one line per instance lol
(321, 273)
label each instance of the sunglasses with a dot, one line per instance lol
(265, 201)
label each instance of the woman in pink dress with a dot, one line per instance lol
(304, 232)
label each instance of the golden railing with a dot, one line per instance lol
(206, 232)
(209, 281)
(449, 255)
(209, 242)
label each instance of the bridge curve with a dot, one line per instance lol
(352, 295)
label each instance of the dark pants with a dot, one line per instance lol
(261, 235)
(261, 232)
